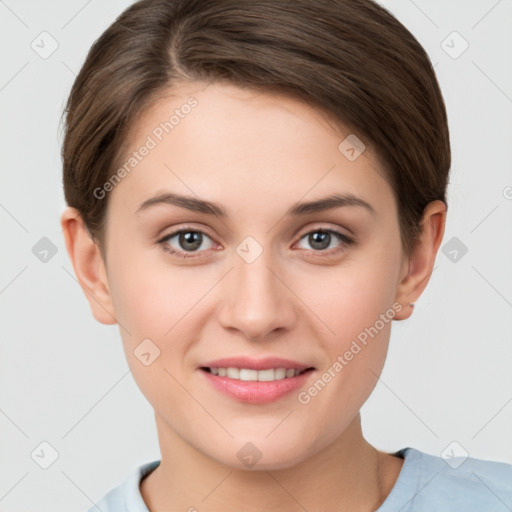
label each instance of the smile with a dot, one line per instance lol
(247, 374)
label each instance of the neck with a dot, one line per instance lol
(348, 474)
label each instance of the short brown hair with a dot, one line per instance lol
(350, 58)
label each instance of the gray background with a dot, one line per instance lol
(447, 384)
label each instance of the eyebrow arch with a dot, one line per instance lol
(298, 209)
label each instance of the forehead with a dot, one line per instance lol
(241, 148)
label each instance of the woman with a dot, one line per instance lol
(256, 191)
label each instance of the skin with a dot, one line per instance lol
(256, 155)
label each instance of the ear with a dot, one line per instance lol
(417, 269)
(88, 264)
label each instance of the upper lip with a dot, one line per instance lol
(255, 364)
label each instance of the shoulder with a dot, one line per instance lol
(428, 482)
(126, 497)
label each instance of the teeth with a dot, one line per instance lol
(267, 375)
(247, 374)
(280, 373)
(233, 373)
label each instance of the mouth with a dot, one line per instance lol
(256, 381)
(250, 375)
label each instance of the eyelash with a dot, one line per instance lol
(346, 242)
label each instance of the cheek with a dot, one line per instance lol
(351, 297)
(152, 305)
(357, 308)
(150, 296)
(158, 302)
(353, 306)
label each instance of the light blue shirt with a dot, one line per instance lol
(426, 483)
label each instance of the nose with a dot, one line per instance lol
(256, 300)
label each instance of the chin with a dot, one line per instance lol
(261, 454)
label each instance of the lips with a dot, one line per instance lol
(256, 381)
(256, 364)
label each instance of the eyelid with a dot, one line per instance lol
(184, 227)
(319, 226)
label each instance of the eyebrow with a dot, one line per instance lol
(201, 206)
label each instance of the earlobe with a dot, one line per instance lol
(420, 265)
(88, 265)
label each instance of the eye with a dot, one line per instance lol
(186, 241)
(321, 240)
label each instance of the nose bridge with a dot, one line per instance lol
(257, 301)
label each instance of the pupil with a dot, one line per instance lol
(190, 237)
(320, 240)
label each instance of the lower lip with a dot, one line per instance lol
(256, 392)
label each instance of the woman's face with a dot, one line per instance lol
(255, 283)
